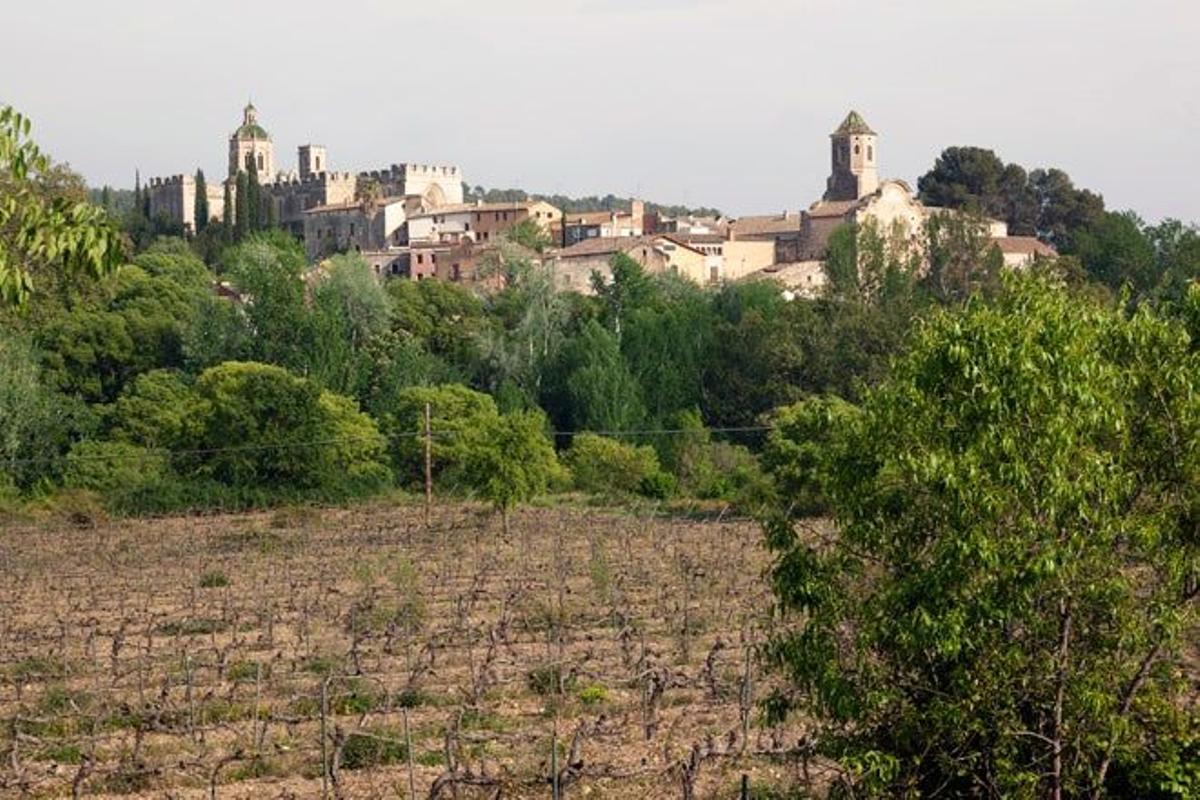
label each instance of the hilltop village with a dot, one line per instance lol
(410, 221)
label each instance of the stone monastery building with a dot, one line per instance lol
(312, 186)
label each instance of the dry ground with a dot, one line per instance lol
(237, 655)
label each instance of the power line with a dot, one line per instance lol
(163, 452)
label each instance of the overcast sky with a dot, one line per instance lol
(715, 102)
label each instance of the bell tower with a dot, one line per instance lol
(854, 173)
(251, 142)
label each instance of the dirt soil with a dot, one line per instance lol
(352, 652)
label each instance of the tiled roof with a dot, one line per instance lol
(854, 124)
(459, 208)
(603, 245)
(1025, 245)
(774, 223)
(832, 208)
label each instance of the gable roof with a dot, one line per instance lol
(767, 224)
(1024, 245)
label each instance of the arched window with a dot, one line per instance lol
(249, 161)
(260, 161)
(870, 153)
(856, 149)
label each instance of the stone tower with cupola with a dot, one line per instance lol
(854, 151)
(251, 143)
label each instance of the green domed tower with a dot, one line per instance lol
(251, 143)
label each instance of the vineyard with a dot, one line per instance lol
(364, 653)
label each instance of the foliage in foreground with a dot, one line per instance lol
(1015, 569)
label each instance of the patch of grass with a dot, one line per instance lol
(294, 517)
(213, 579)
(61, 754)
(246, 671)
(431, 758)
(549, 680)
(373, 747)
(477, 720)
(257, 767)
(37, 669)
(412, 698)
(593, 695)
(352, 697)
(59, 699)
(195, 626)
(320, 665)
(264, 541)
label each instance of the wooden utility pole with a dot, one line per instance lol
(428, 463)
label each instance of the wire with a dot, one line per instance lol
(301, 445)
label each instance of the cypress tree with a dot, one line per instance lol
(272, 213)
(106, 198)
(137, 191)
(200, 211)
(227, 210)
(254, 211)
(243, 203)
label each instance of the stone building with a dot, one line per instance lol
(479, 221)
(313, 184)
(854, 194)
(579, 226)
(574, 266)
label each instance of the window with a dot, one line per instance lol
(260, 161)
(870, 153)
(318, 164)
(420, 258)
(855, 149)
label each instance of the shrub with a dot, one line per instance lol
(110, 467)
(549, 680)
(373, 748)
(608, 466)
(593, 695)
(213, 580)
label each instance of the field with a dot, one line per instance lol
(361, 653)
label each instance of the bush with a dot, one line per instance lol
(112, 467)
(373, 748)
(455, 411)
(609, 466)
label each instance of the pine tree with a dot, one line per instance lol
(243, 203)
(200, 209)
(254, 211)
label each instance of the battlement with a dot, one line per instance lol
(171, 180)
(406, 170)
(314, 178)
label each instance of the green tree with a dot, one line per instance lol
(629, 289)
(1116, 253)
(36, 423)
(962, 261)
(1000, 608)
(602, 393)
(609, 466)
(976, 180)
(455, 412)
(254, 199)
(528, 233)
(40, 234)
(510, 460)
(242, 224)
(266, 429)
(228, 210)
(200, 208)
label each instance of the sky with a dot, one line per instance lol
(724, 103)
